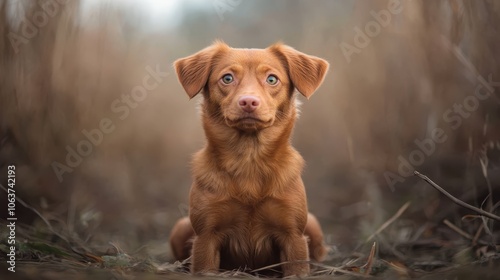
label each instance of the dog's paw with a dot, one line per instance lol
(319, 252)
(296, 270)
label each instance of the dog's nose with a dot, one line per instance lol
(249, 103)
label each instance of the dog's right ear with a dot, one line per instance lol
(193, 71)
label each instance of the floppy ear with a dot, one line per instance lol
(193, 71)
(306, 71)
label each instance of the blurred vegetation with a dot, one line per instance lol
(61, 76)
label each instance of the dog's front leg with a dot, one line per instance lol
(206, 254)
(295, 253)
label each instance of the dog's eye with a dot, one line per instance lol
(227, 79)
(272, 80)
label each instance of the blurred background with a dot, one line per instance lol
(101, 132)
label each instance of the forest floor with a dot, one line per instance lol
(464, 247)
(437, 258)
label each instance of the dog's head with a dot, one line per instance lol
(249, 89)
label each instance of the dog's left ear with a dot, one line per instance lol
(306, 71)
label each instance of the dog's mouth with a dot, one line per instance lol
(249, 123)
(249, 120)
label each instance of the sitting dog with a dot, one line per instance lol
(248, 204)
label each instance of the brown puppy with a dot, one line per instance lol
(248, 204)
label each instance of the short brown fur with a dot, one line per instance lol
(248, 204)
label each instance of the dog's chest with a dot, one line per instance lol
(249, 192)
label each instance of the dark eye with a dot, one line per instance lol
(227, 79)
(272, 80)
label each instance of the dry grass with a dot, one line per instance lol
(110, 216)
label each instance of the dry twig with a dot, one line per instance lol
(333, 269)
(477, 235)
(457, 229)
(390, 221)
(456, 200)
(26, 205)
(369, 263)
(276, 265)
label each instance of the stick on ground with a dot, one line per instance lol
(390, 221)
(457, 229)
(456, 200)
